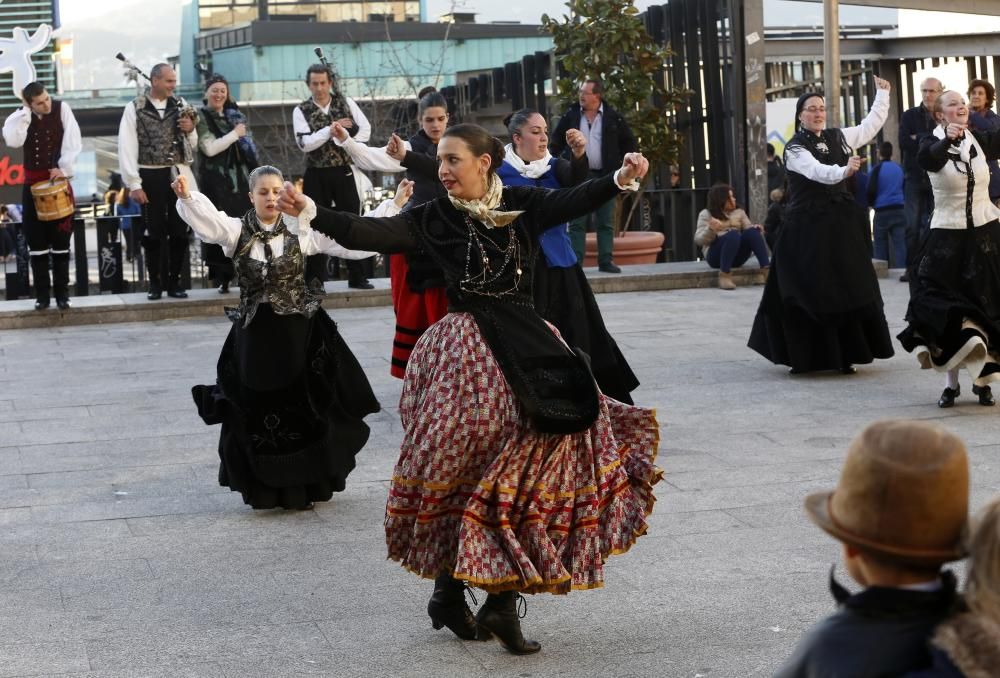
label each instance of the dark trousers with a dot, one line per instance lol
(890, 225)
(918, 205)
(334, 187)
(732, 249)
(45, 239)
(165, 233)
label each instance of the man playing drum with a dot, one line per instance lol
(50, 136)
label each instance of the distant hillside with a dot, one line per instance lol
(146, 34)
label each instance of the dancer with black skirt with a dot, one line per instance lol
(822, 308)
(562, 293)
(954, 311)
(290, 395)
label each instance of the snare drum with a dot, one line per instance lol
(53, 199)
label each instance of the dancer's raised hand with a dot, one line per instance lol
(634, 166)
(403, 193)
(180, 187)
(396, 149)
(290, 201)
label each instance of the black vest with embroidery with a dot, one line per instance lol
(830, 149)
(281, 284)
(329, 154)
(43, 145)
(159, 138)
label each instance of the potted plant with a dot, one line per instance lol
(606, 39)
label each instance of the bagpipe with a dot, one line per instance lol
(186, 110)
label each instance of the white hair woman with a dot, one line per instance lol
(954, 311)
(290, 395)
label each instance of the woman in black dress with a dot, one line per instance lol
(562, 293)
(290, 395)
(954, 312)
(822, 308)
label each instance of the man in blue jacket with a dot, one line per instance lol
(886, 197)
(608, 140)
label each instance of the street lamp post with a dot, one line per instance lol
(831, 58)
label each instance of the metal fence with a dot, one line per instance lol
(107, 259)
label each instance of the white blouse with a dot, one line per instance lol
(213, 226)
(951, 186)
(806, 164)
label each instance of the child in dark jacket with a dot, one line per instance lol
(900, 510)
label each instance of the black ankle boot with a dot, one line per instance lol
(985, 395)
(447, 608)
(499, 615)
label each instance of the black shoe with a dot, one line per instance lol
(224, 288)
(985, 395)
(154, 293)
(904, 278)
(362, 285)
(849, 369)
(177, 294)
(607, 268)
(41, 304)
(63, 304)
(499, 615)
(447, 607)
(948, 396)
(797, 370)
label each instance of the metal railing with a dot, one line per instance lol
(106, 258)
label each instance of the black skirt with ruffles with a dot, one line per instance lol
(822, 308)
(291, 399)
(564, 298)
(954, 311)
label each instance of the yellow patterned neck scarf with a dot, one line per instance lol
(484, 210)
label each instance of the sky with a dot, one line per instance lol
(94, 26)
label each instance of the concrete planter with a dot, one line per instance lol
(631, 247)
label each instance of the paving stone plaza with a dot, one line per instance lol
(120, 556)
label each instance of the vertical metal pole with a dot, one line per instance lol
(831, 57)
(751, 40)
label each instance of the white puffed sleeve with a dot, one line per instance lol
(211, 225)
(313, 242)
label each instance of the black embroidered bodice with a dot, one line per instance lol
(829, 148)
(280, 282)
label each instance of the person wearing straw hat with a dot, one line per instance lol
(900, 510)
(50, 136)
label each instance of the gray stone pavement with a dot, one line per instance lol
(120, 556)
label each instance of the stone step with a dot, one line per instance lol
(120, 308)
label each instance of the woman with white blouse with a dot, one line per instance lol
(822, 308)
(290, 395)
(954, 312)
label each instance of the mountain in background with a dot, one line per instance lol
(145, 32)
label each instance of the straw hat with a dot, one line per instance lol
(903, 494)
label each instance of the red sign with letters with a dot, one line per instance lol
(11, 174)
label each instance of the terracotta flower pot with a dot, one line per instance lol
(632, 247)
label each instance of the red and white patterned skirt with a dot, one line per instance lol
(481, 495)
